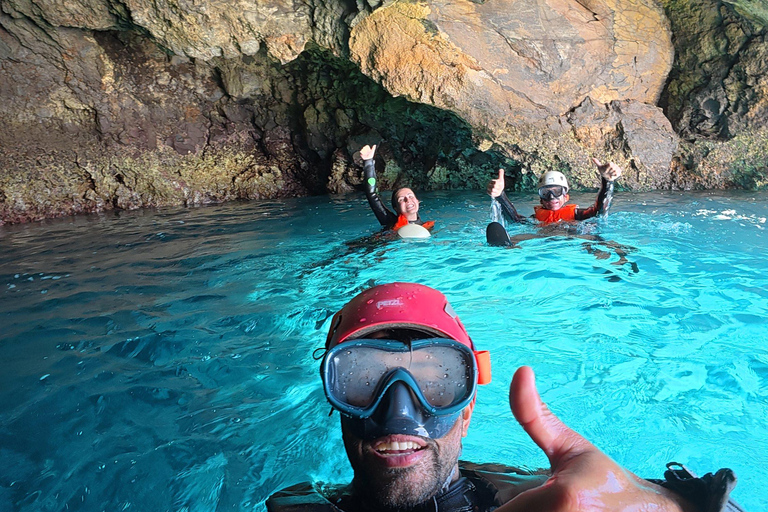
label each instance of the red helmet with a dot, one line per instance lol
(405, 306)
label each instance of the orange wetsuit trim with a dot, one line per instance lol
(567, 213)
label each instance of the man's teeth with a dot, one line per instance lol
(398, 446)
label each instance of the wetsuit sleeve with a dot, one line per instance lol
(509, 209)
(710, 493)
(602, 203)
(385, 217)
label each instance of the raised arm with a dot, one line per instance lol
(495, 189)
(385, 217)
(608, 174)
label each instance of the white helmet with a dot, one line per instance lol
(550, 178)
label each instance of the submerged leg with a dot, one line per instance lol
(620, 250)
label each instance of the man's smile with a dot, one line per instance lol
(398, 450)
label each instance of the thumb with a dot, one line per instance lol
(374, 148)
(501, 174)
(597, 162)
(556, 439)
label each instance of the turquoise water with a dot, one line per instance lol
(162, 360)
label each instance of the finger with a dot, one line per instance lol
(547, 431)
(501, 174)
(373, 149)
(597, 162)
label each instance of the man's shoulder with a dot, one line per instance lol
(306, 496)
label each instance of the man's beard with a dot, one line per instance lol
(402, 488)
(381, 488)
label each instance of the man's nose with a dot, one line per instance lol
(398, 403)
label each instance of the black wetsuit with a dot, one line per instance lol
(386, 218)
(480, 488)
(485, 487)
(601, 206)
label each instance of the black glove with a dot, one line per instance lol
(710, 493)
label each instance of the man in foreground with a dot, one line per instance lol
(403, 372)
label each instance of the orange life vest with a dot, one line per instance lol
(567, 213)
(402, 221)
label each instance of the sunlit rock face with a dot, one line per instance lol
(516, 62)
(515, 68)
(138, 103)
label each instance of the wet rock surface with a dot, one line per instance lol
(136, 104)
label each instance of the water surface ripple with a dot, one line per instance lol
(162, 360)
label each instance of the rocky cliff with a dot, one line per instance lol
(148, 103)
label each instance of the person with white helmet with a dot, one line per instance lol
(553, 194)
(403, 372)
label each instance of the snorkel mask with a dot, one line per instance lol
(416, 384)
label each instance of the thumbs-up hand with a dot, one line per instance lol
(496, 187)
(609, 171)
(583, 478)
(367, 152)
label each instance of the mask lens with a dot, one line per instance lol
(551, 192)
(356, 374)
(442, 374)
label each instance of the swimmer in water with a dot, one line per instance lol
(404, 201)
(553, 196)
(555, 213)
